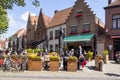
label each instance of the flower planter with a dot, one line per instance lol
(54, 66)
(106, 59)
(34, 65)
(72, 66)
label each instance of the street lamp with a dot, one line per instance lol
(61, 35)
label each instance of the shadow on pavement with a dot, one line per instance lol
(91, 67)
(112, 74)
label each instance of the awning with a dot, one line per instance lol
(115, 36)
(78, 38)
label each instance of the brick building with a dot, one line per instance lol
(41, 39)
(84, 28)
(36, 35)
(30, 30)
(112, 25)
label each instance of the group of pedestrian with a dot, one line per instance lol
(79, 53)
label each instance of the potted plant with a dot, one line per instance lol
(89, 55)
(34, 62)
(72, 63)
(106, 56)
(54, 63)
(29, 51)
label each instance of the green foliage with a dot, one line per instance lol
(90, 54)
(54, 58)
(3, 20)
(37, 58)
(8, 4)
(29, 50)
(34, 57)
(72, 59)
(105, 52)
(36, 50)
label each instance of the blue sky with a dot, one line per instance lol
(18, 16)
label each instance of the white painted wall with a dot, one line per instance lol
(54, 41)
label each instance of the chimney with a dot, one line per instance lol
(109, 2)
(55, 11)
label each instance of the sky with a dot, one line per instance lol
(18, 15)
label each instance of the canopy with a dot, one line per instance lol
(83, 37)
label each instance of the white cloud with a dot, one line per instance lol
(24, 16)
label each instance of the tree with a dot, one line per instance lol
(3, 20)
(8, 4)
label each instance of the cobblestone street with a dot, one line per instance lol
(112, 72)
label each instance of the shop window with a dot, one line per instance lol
(86, 28)
(73, 30)
(116, 21)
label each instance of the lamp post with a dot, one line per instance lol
(60, 41)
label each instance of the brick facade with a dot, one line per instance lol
(87, 17)
(112, 9)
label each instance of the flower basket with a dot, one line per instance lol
(79, 15)
(72, 63)
(106, 56)
(54, 63)
(34, 62)
(89, 55)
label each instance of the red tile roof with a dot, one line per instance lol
(33, 19)
(20, 32)
(60, 17)
(47, 20)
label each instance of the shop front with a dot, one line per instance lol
(87, 42)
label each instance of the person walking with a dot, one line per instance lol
(78, 54)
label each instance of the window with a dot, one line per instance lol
(73, 30)
(56, 47)
(86, 28)
(51, 34)
(51, 48)
(116, 21)
(79, 13)
(56, 34)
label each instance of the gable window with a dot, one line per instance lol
(116, 21)
(86, 28)
(51, 34)
(73, 30)
(56, 34)
(79, 13)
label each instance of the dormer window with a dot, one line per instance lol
(79, 13)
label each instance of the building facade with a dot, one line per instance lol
(112, 26)
(17, 42)
(53, 31)
(84, 28)
(30, 30)
(40, 39)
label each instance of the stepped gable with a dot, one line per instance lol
(60, 17)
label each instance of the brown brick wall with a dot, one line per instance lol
(108, 20)
(88, 17)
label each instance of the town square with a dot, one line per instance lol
(76, 42)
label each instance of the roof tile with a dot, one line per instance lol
(60, 17)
